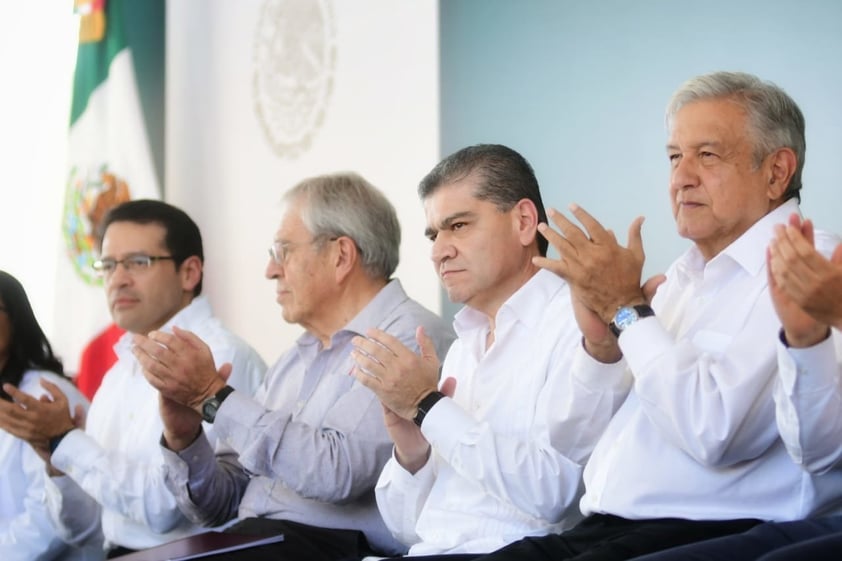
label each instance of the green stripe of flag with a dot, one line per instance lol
(94, 59)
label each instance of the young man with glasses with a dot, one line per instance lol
(302, 457)
(151, 265)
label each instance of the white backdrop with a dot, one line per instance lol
(380, 119)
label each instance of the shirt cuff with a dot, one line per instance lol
(194, 464)
(446, 426)
(75, 453)
(808, 369)
(395, 473)
(593, 374)
(643, 342)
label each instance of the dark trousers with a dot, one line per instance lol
(118, 551)
(603, 537)
(301, 542)
(828, 548)
(802, 540)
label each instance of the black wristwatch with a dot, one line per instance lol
(211, 405)
(627, 315)
(56, 440)
(425, 405)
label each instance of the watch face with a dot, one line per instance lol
(209, 409)
(624, 317)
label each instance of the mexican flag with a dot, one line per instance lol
(109, 162)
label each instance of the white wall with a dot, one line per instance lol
(381, 119)
(37, 54)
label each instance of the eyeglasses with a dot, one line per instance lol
(279, 251)
(132, 263)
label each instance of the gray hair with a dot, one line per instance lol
(506, 178)
(774, 119)
(345, 204)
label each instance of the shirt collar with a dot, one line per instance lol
(748, 251)
(198, 310)
(390, 297)
(526, 305)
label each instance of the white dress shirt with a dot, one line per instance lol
(26, 530)
(808, 396)
(507, 449)
(697, 438)
(117, 458)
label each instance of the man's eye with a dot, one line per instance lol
(137, 261)
(458, 225)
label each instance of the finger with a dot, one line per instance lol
(225, 371)
(370, 349)
(808, 230)
(188, 337)
(801, 244)
(636, 238)
(80, 416)
(775, 258)
(770, 276)
(150, 366)
(21, 398)
(573, 235)
(365, 376)
(596, 231)
(166, 341)
(836, 258)
(555, 239)
(557, 266)
(145, 345)
(366, 364)
(448, 387)
(386, 341)
(650, 287)
(54, 391)
(425, 345)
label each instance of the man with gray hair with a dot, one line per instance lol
(302, 457)
(693, 453)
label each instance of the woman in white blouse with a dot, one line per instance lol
(26, 357)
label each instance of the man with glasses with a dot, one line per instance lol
(302, 457)
(151, 264)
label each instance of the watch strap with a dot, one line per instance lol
(56, 440)
(223, 393)
(425, 405)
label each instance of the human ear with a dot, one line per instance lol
(191, 273)
(346, 256)
(525, 215)
(781, 167)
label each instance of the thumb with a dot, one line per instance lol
(448, 387)
(636, 238)
(836, 258)
(651, 286)
(809, 231)
(425, 345)
(80, 415)
(225, 370)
